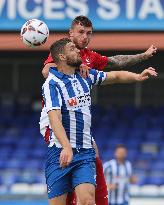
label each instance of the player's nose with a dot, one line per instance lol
(77, 50)
(85, 36)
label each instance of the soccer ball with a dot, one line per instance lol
(34, 33)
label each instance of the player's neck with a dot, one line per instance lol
(121, 161)
(66, 69)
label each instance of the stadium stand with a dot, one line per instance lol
(23, 149)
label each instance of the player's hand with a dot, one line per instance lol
(112, 187)
(84, 70)
(66, 156)
(150, 52)
(133, 179)
(45, 69)
(150, 72)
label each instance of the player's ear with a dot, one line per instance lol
(62, 57)
(70, 33)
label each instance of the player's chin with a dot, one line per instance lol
(82, 45)
(80, 61)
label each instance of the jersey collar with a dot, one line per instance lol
(59, 74)
(55, 72)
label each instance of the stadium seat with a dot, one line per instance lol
(158, 165)
(135, 190)
(38, 188)
(20, 188)
(156, 180)
(149, 191)
(161, 190)
(3, 189)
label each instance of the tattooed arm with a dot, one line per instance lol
(121, 61)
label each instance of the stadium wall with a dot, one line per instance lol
(100, 41)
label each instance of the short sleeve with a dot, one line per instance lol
(99, 61)
(97, 77)
(52, 96)
(48, 60)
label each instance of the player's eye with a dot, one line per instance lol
(81, 31)
(89, 33)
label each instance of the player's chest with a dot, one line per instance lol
(76, 94)
(121, 174)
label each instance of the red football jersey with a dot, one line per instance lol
(89, 58)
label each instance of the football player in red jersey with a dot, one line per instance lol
(80, 33)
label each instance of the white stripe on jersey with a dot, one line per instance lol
(87, 125)
(118, 174)
(73, 128)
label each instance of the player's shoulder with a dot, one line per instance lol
(113, 162)
(107, 164)
(128, 162)
(51, 80)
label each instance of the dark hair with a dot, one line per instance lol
(121, 146)
(83, 21)
(58, 47)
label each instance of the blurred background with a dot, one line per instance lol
(130, 114)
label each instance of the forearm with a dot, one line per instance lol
(58, 128)
(121, 77)
(111, 187)
(127, 77)
(122, 61)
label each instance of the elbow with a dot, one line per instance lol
(45, 71)
(46, 68)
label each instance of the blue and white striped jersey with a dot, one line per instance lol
(118, 174)
(71, 94)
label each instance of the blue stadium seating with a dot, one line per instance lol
(23, 149)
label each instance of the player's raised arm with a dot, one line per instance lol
(129, 77)
(124, 61)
